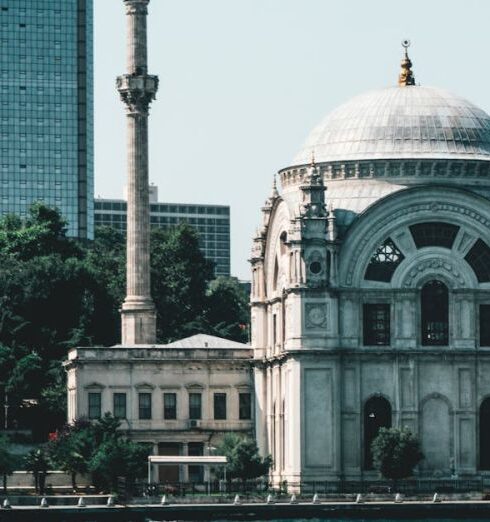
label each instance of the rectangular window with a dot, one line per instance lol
(195, 405)
(169, 405)
(120, 405)
(94, 405)
(220, 406)
(144, 404)
(485, 325)
(376, 324)
(245, 406)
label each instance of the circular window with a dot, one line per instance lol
(315, 267)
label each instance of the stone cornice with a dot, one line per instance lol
(399, 169)
(367, 352)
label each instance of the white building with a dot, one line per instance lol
(181, 397)
(371, 288)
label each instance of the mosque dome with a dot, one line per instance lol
(390, 139)
(402, 122)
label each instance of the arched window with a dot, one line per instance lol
(479, 259)
(275, 275)
(283, 247)
(485, 435)
(434, 308)
(384, 262)
(377, 414)
(434, 234)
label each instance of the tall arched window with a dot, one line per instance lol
(434, 308)
(377, 414)
(485, 434)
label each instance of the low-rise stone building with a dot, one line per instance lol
(181, 397)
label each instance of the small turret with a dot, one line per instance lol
(313, 189)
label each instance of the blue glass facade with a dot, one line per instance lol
(46, 108)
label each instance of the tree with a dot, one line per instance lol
(42, 233)
(72, 449)
(6, 461)
(37, 462)
(57, 293)
(227, 308)
(115, 456)
(48, 298)
(396, 452)
(106, 262)
(118, 457)
(244, 461)
(180, 274)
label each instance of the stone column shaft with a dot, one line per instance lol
(136, 47)
(137, 90)
(138, 209)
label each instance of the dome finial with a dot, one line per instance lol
(406, 76)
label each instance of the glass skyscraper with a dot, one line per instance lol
(46, 108)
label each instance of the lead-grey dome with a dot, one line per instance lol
(400, 122)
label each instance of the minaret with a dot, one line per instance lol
(137, 90)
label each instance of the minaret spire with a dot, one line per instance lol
(137, 89)
(275, 192)
(406, 76)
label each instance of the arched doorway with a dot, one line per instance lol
(434, 311)
(377, 414)
(485, 435)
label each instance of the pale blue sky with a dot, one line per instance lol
(242, 82)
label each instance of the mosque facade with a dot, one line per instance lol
(370, 301)
(371, 289)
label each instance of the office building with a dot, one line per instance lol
(212, 223)
(46, 109)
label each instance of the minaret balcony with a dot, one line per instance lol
(143, 83)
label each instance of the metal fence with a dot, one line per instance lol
(261, 488)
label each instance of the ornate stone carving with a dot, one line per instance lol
(316, 315)
(389, 169)
(137, 92)
(403, 212)
(465, 241)
(439, 265)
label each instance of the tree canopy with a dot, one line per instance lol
(101, 449)
(57, 293)
(244, 461)
(396, 452)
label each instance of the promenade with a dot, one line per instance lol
(468, 510)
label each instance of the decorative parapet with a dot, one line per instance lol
(390, 169)
(122, 354)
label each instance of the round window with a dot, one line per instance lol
(315, 267)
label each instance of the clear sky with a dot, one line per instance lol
(242, 82)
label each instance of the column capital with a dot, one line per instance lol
(137, 91)
(136, 7)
